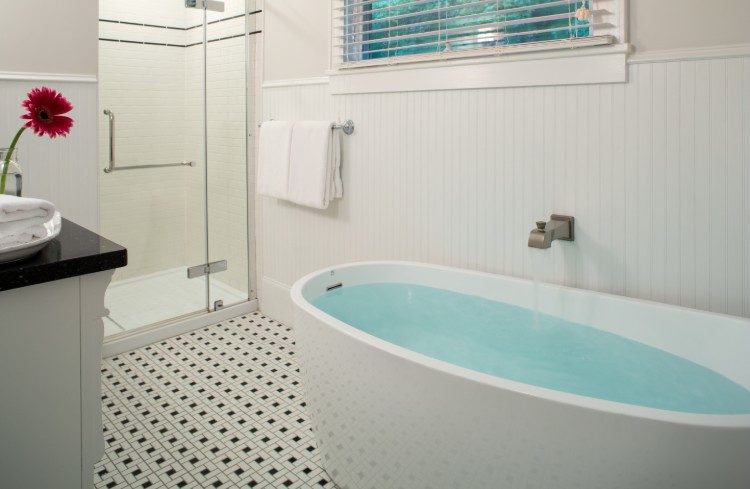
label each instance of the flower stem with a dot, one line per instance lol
(6, 162)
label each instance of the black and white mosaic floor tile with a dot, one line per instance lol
(218, 407)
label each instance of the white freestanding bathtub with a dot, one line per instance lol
(387, 417)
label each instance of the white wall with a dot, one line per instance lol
(296, 33)
(61, 170)
(53, 44)
(655, 171)
(680, 24)
(42, 36)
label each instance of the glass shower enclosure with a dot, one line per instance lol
(173, 151)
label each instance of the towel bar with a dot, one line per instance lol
(347, 127)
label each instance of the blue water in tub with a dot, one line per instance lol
(506, 341)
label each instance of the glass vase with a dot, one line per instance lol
(14, 175)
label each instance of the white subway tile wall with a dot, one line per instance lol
(145, 210)
(656, 172)
(156, 93)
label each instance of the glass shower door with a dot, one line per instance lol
(226, 133)
(152, 157)
(170, 86)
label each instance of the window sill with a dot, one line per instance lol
(605, 64)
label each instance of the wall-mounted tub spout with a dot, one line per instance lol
(558, 227)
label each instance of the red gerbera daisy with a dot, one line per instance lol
(45, 107)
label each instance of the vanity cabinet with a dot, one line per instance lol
(51, 332)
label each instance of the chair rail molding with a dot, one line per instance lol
(297, 82)
(709, 52)
(583, 66)
(60, 77)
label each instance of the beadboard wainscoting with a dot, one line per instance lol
(61, 170)
(656, 172)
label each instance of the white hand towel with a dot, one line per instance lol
(315, 164)
(273, 158)
(20, 208)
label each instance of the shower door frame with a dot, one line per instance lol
(212, 265)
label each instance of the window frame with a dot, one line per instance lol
(531, 64)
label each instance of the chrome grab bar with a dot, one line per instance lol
(111, 116)
(111, 167)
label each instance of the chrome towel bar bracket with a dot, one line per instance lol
(111, 167)
(347, 127)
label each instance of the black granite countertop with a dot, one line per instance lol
(76, 251)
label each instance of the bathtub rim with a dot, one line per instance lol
(549, 395)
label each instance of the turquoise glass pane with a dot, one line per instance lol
(426, 24)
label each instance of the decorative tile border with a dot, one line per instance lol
(150, 43)
(143, 42)
(136, 24)
(112, 21)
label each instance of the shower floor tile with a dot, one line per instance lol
(218, 407)
(141, 301)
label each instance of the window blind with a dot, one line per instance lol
(386, 31)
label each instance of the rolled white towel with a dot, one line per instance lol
(21, 208)
(25, 235)
(22, 219)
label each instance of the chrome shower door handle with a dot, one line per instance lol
(111, 167)
(111, 116)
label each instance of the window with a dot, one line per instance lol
(391, 31)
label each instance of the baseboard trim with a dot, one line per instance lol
(147, 336)
(275, 300)
(57, 77)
